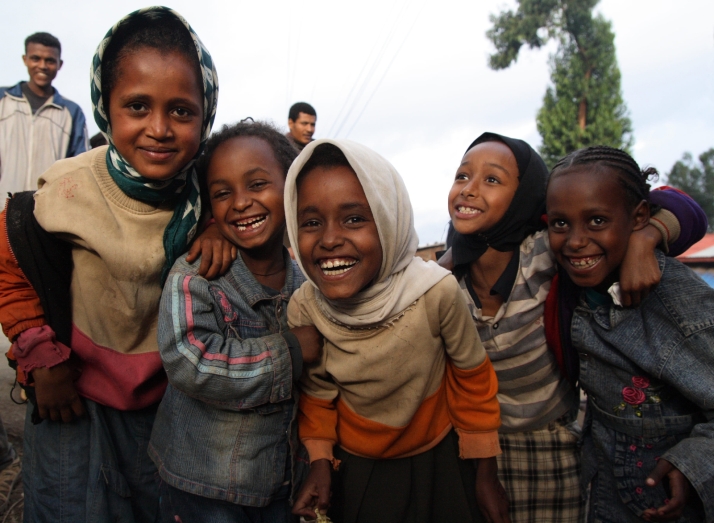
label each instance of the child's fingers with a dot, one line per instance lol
(661, 470)
(193, 252)
(55, 414)
(78, 407)
(43, 411)
(67, 414)
(323, 497)
(304, 504)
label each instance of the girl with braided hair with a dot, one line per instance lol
(648, 372)
(500, 254)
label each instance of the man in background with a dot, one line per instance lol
(37, 125)
(301, 122)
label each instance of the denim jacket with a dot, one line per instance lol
(649, 376)
(225, 428)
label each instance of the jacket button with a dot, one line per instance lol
(584, 355)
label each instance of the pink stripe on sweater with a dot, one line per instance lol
(236, 361)
(193, 341)
(118, 380)
(189, 317)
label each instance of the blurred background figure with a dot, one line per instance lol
(301, 122)
(37, 125)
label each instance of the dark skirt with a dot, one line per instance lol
(433, 487)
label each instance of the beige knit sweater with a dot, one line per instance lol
(118, 251)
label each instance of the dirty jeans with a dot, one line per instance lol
(95, 469)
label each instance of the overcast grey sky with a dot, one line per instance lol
(408, 79)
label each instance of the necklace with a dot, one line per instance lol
(270, 273)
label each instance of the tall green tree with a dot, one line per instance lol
(584, 104)
(696, 180)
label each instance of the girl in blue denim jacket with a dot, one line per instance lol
(648, 372)
(224, 440)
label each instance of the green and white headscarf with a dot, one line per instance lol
(184, 186)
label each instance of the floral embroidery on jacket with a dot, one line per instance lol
(636, 395)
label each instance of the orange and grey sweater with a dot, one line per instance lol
(396, 390)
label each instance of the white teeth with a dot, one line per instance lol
(468, 210)
(333, 267)
(251, 223)
(583, 263)
(335, 272)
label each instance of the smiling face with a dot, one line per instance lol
(589, 224)
(42, 64)
(303, 128)
(245, 186)
(483, 189)
(337, 235)
(156, 112)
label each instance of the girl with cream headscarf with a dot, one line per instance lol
(404, 387)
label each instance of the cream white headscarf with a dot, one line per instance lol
(403, 278)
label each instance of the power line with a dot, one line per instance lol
(373, 66)
(384, 74)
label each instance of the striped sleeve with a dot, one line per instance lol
(200, 361)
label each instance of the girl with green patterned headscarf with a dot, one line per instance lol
(121, 215)
(183, 187)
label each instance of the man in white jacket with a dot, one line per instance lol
(37, 125)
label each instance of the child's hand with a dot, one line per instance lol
(490, 494)
(640, 273)
(57, 399)
(315, 491)
(215, 251)
(310, 342)
(679, 486)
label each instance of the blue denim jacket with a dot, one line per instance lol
(225, 428)
(649, 376)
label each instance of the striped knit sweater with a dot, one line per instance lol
(531, 390)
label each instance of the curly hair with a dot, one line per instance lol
(283, 151)
(632, 178)
(166, 35)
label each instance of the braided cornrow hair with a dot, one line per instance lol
(631, 177)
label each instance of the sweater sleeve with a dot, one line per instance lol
(681, 221)
(471, 383)
(20, 307)
(230, 373)
(317, 413)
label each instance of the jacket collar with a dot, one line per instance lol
(57, 98)
(252, 290)
(609, 317)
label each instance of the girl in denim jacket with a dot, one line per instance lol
(648, 372)
(224, 440)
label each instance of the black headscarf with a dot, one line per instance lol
(523, 216)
